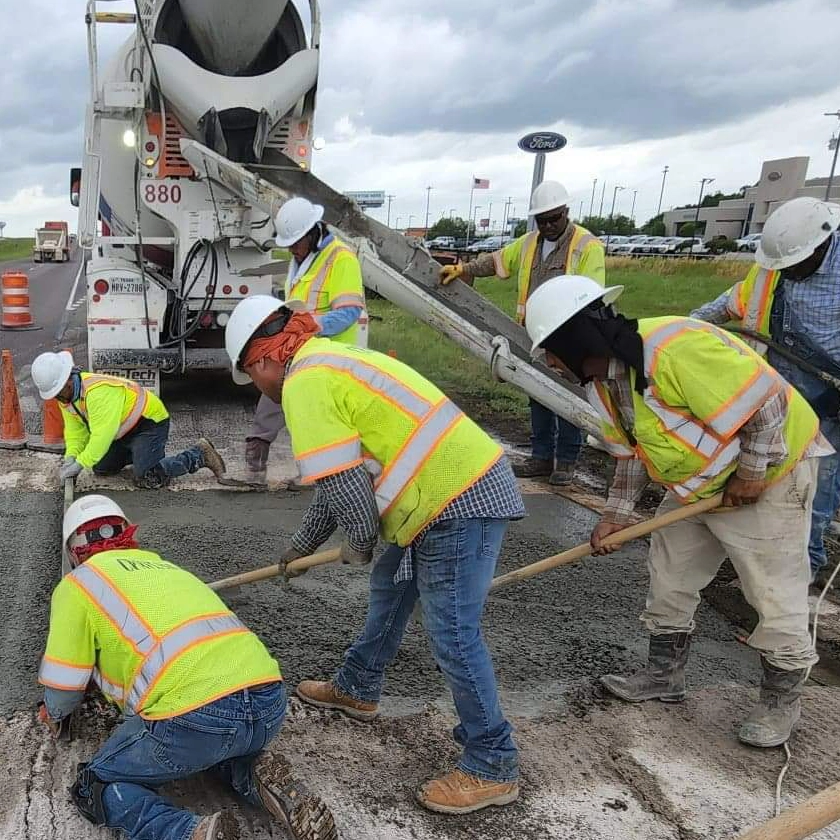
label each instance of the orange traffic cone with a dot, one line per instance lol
(52, 440)
(12, 435)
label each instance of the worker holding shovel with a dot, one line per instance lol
(698, 411)
(389, 453)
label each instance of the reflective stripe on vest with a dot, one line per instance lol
(137, 410)
(321, 462)
(759, 301)
(118, 611)
(172, 645)
(711, 471)
(377, 380)
(414, 453)
(321, 276)
(731, 416)
(614, 446)
(109, 688)
(63, 675)
(348, 299)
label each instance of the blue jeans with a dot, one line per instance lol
(141, 755)
(145, 449)
(453, 567)
(827, 498)
(553, 437)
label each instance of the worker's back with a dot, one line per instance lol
(160, 641)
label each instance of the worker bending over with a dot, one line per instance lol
(389, 452)
(198, 689)
(792, 297)
(111, 422)
(557, 246)
(325, 279)
(699, 412)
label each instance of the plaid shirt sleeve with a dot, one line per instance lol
(762, 439)
(342, 500)
(629, 483)
(715, 311)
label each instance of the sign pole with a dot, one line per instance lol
(469, 215)
(536, 180)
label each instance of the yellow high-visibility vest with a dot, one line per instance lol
(751, 300)
(703, 385)
(585, 256)
(153, 637)
(332, 281)
(346, 406)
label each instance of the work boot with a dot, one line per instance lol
(462, 793)
(533, 468)
(772, 720)
(664, 676)
(256, 460)
(219, 826)
(211, 459)
(327, 695)
(563, 474)
(290, 802)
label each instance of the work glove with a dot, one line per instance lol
(451, 272)
(70, 470)
(286, 557)
(351, 557)
(59, 729)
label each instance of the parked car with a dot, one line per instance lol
(442, 242)
(490, 243)
(748, 242)
(612, 242)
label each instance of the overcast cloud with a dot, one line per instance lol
(413, 95)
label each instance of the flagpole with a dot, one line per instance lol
(469, 215)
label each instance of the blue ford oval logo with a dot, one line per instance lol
(542, 141)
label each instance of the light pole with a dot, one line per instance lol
(2, 225)
(490, 217)
(474, 217)
(508, 203)
(390, 199)
(592, 200)
(703, 182)
(662, 191)
(452, 212)
(633, 208)
(411, 216)
(428, 196)
(581, 211)
(612, 210)
(601, 208)
(398, 222)
(834, 159)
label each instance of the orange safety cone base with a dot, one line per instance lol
(20, 329)
(38, 444)
(12, 434)
(52, 439)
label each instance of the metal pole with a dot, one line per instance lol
(581, 211)
(490, 217)
(398, 222)
(703, 183)
(834, 159)
(428, 196)
(662, 191)
(451, 212)
(633, 208)
(536, 180)
(592, 200)
(390, 199)
(469, 214)
(601, 208)
(612, 210)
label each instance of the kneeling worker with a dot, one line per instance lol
(199, 690)
(442, 496)
(111, 422)
(702, 413)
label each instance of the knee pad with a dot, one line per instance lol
(86, 793)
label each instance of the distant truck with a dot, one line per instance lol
(52, 243)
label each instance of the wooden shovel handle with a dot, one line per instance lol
(298, 566)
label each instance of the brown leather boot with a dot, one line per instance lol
(533, 468)
(219, 826)
(326, 695)
(211, 458)
(462, 793)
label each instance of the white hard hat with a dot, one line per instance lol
(85, 510)
(295, 219)
(244, 320)
(50, 372)
(549, 195)
(795, 231)
(559, 299)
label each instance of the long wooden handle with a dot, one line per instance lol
(298, 566)
(802, 820)
(618, 538)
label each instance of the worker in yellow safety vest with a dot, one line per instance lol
(695, 409)
(325, 279)
(389, 453)
(197, 688)
(557, 246)
(791, 296)
(110, 422)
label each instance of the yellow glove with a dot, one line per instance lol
(451, 272)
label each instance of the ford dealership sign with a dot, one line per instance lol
(542, 141)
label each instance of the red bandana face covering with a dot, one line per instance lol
(124, 539)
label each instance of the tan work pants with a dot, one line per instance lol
(768, 545)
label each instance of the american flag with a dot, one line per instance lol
(481, 183)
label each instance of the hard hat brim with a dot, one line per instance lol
(66, 369)
(240, 377)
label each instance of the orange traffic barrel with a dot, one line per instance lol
(14, 290)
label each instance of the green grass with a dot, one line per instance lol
(652, 287)
(15, 249)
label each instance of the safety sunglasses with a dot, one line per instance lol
(543, 221)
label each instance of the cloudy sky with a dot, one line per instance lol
(429, 94)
